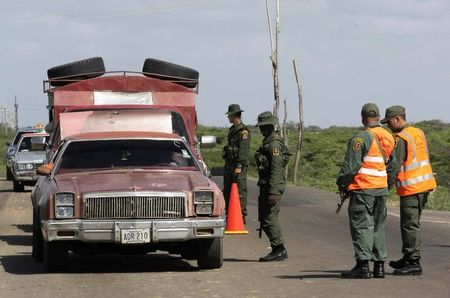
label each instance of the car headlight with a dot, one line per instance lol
(204, 202)
(64, 205)
(64, 212)
(29, 166)
(21, 166)
(203, 196)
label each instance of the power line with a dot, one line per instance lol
(121, 12)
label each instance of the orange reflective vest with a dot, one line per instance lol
(415, 175)
(372, 173)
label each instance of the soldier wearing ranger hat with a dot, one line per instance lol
(271, 158)
(235, 154)
(410, 170)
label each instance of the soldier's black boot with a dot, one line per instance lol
(360, 271)
(412, 267)
(398, 264)
(279, 253)
(378, 269)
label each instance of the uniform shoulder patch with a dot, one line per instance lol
(276, 152)
(244, 134)
(357, 142)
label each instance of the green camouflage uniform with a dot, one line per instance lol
(367, 207)
(271, 159)
(235, 154)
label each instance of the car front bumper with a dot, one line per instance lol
(109, 231)
(26, 176)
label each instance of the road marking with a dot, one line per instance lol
(422, 220)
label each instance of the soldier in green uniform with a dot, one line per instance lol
(410, 170)
(363, 178)
(235, 154)
(271, 159)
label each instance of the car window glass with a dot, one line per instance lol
(33, 144)
(111, 154)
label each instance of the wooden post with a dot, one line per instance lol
(301, 121)
(285, 133)
(274, 55)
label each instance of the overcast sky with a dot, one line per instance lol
(349, 51)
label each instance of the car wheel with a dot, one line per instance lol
(55, 255)
(169, 71)
(78, 70)
(37, 240)
(9, 175)
(210, 254)
(17, 186)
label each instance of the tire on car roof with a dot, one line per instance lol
(163, 70)
(74, 71)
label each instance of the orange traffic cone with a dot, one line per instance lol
(235, 224)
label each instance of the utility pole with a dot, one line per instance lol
(16, 114)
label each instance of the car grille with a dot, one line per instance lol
(134, 205)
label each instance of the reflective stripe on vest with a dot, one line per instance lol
(415, 180)
(373, 159)
(372, 172)
(414, 165)
(416, 174)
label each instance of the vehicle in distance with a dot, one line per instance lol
(13, 145)
(29, 154)
(126, 192)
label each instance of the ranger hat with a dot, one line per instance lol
(370, 110)
(266, 118)
(233, 109)
(392, 112)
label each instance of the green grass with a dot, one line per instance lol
(6, 135)
(323, 153)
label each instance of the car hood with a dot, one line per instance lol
(106, 181)
(31, 156)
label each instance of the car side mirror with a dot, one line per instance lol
(45, 170)
(7, 143)
(208, 141)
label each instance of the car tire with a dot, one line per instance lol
(37, 239)
(17, 186)
(55, 256)
(76, 71)
(169, 71)
(210, 253)
(9, 175)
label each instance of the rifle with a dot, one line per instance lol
(260, 230)
(344, 196)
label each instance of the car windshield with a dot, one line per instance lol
(33, 144)
(116, 154)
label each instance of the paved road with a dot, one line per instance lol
(319, 247)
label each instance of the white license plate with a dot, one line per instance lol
(135, 236)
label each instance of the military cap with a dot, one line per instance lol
(233, 109)
(370, 110)
(392, 112)
(266, 118)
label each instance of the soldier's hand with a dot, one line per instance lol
(273, 199)
(343, 194)
(237, 171)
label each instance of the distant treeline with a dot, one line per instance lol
(323, 153)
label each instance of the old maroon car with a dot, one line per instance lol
(126, 191)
